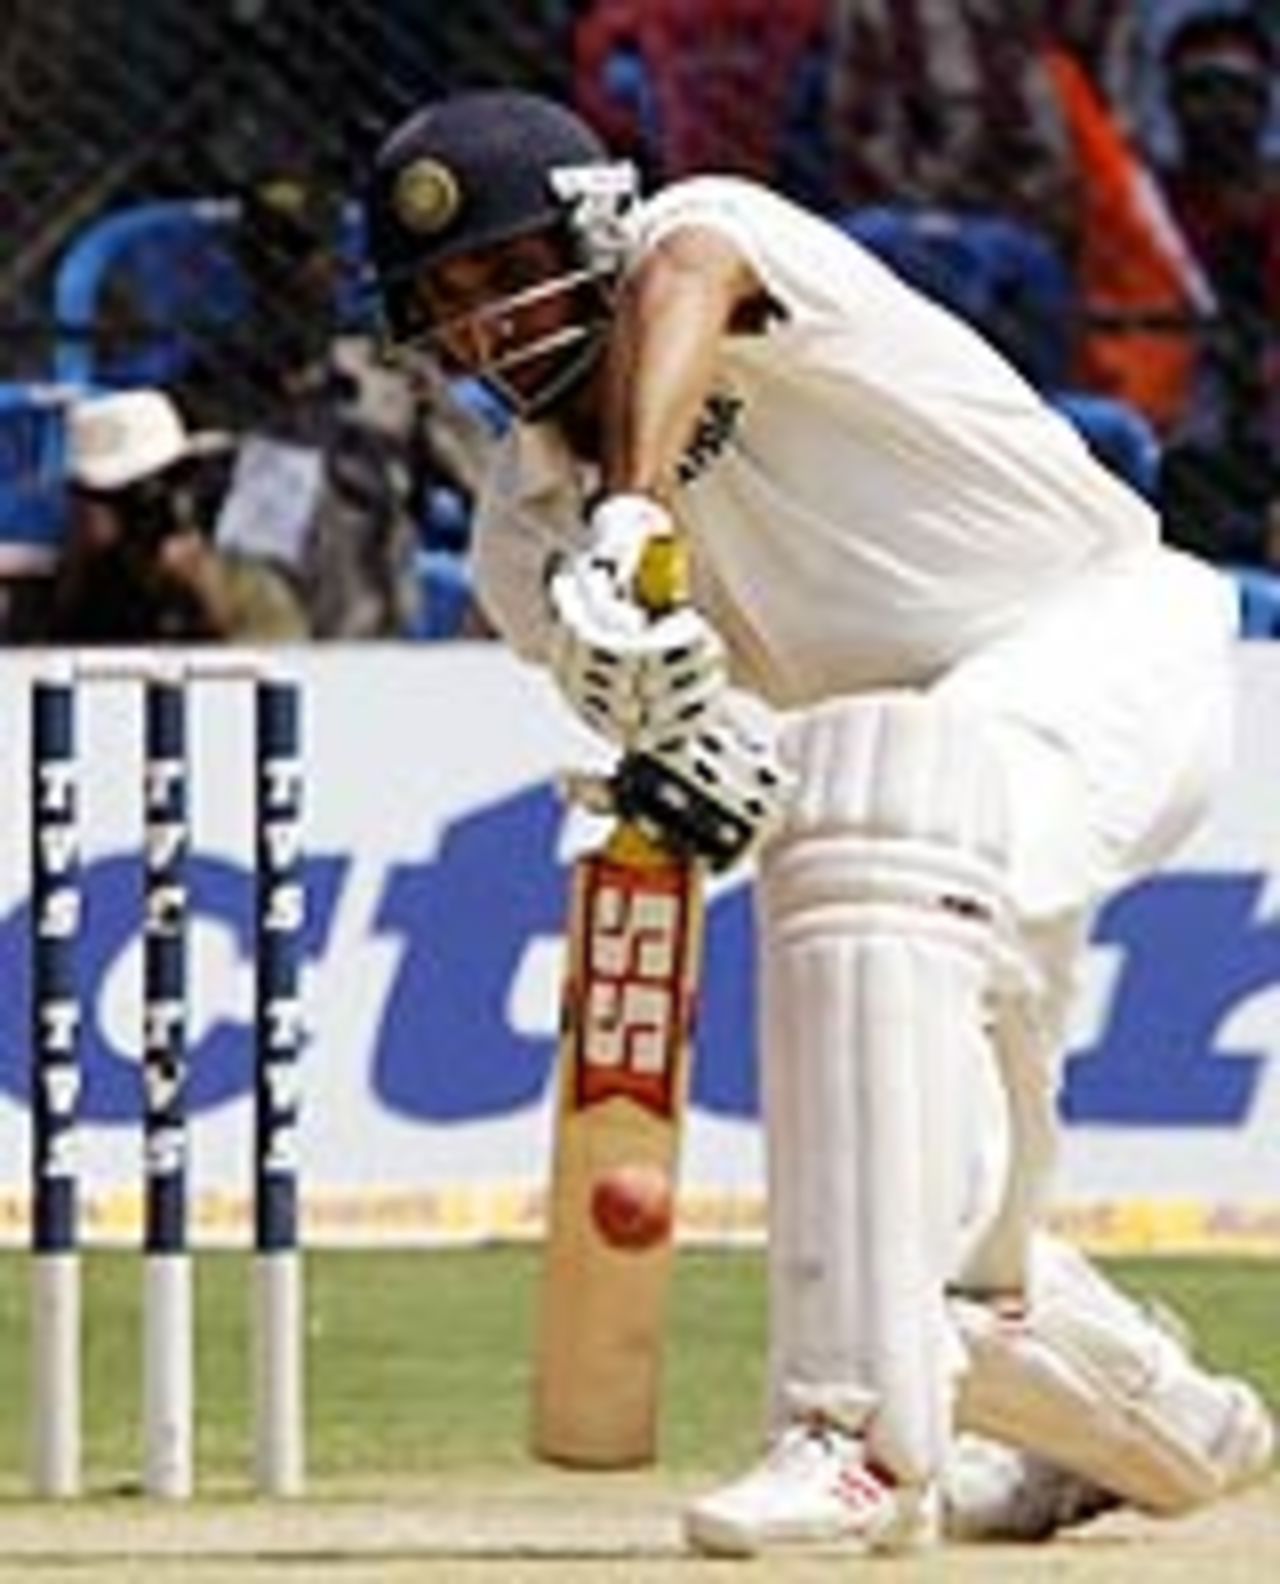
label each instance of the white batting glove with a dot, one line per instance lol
(736, 767)
(618, 529)
(719, 791)
(625, 671)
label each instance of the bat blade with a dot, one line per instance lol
(634, 943)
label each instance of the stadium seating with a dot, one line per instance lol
(1001, 276)
(141, 286)
(1117, 433)
(444, 589)
(1259, 601)
(32, 482)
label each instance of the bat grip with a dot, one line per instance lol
(662, 577)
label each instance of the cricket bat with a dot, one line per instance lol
(633, 949)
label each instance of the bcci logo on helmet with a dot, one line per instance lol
(426, 197)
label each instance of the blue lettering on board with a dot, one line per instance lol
(1193, 950)
(446, 1046)
(446, 1049)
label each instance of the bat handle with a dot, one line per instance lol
(630, 842)
(662, 578)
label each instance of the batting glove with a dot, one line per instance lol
(625, 671)
(718, 792)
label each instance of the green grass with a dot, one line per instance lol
(418, 1362)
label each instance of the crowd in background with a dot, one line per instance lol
(278, 480)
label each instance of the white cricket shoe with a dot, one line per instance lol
(814, 1488)
(995, 1492)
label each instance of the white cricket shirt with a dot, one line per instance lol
(874, 494)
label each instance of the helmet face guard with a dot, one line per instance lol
(530, 347)
(484, 169)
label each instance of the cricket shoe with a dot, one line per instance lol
(814, 1489)
(995, 1492)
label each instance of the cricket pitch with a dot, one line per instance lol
(564, 1527)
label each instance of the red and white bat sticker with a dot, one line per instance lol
(629, 1003)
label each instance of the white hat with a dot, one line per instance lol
(115, 440)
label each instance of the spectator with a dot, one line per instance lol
(1105, 37)
(322, 483)
(947, 105)
(682, 86)
(1220, 474)
(1136, 277)
(140, 565)
(1007, 109)
(1147, 96)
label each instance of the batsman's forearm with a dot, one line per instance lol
(662, 358)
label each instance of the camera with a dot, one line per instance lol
(150, 510)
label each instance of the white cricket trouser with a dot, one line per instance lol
(1107, 721)
(1117, 699)
(1113, 717)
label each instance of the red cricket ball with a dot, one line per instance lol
(633, 1206)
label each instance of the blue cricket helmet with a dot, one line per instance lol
(489, 166)
(466, 172)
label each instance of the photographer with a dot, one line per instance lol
(329, 484)
(140, 564)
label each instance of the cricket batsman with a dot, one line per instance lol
(982, 695)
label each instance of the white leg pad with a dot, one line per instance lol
(1088, 1379)
(879, 907)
